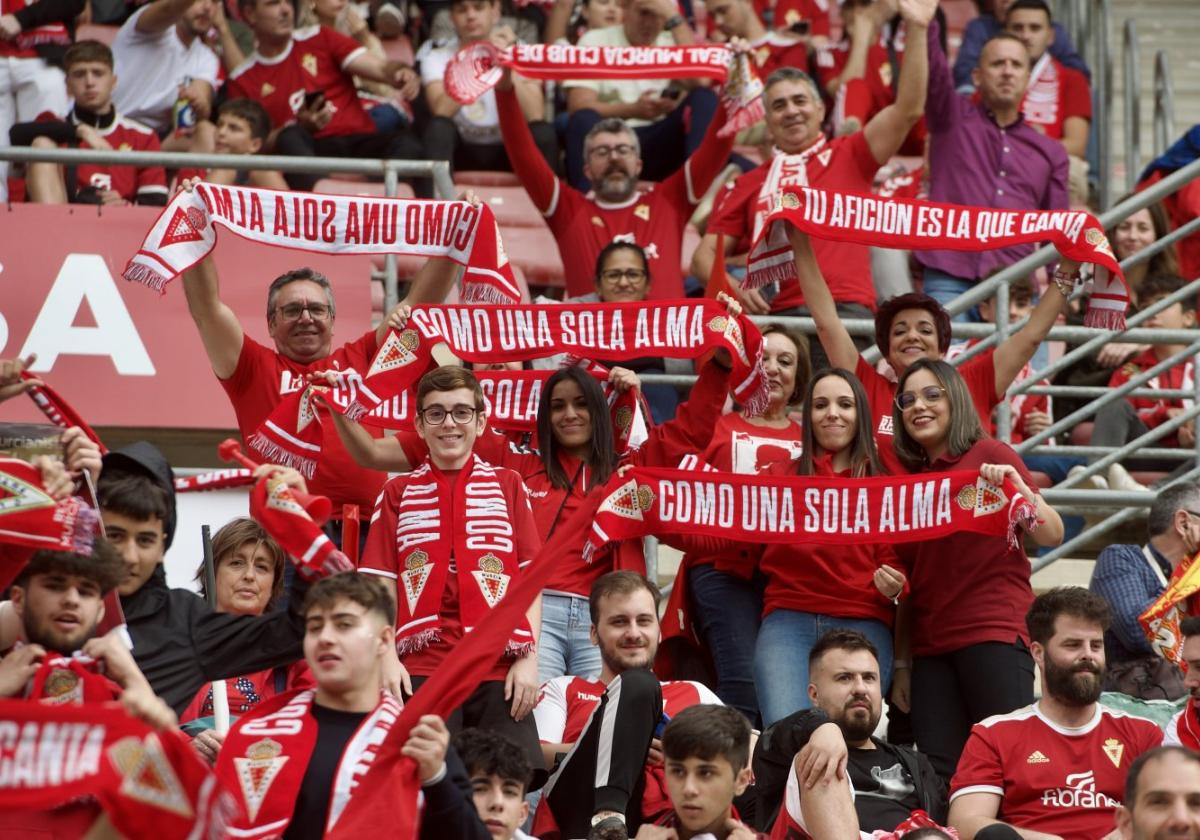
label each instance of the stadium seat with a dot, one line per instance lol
(485, 178)
(535, 252)
(511, 205)
(341, 186)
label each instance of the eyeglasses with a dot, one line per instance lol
(436, 415)
(316, 311)
(605, 152)
(930, 395)
(616, 275)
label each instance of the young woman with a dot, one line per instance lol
(724, 592)
(964, 620)
(811, 589)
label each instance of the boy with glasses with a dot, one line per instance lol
(448, 539)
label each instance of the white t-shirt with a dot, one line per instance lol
(150, 69)
(478, 122)
(619, 90)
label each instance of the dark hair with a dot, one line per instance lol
(840, 639)
(1074, 601)
(864, 457)
(621, 245)
(1133, 776)
(1165, 261)
(889, 309)
(1176, 497)
(706, 731)
(88, 50)
(1034, 5)
(803, 358)
(449, 378)
(1161, 285)
(255, 116)
(137, 496)
(309, 274)
(602, 458)
(965, 429)
(489, 753)
(1190, 626)
(620, 583)
(103, 565)
(365, 590)
(233, 535)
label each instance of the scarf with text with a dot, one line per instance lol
(478, 67)
(70, 679)
(186, 232)
(926, 225)
(150, 784)
(394, 776)
(266, 754)
(812, 509)
(291, 434)
(469, 524)
(31, 518)
(1161, 620)
(281, 512)
(1043, 103)
(215, 480)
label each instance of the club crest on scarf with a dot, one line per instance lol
(493, 583)
(186, 225)
(256, 770)
(148, 776)
(398, 350)
(22, 495)
(414, 577)
(982, 497)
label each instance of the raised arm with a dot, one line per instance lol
(886, 130)
(838, 344)
(528, 164)
(942, 100)
(1013, 354)
(220, 330)
(161, 15)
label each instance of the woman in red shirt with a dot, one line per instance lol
(964, 620)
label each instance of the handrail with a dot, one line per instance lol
(1131, 58)
(1164, 102)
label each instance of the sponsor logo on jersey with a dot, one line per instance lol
(885, 425)
(1079, 792)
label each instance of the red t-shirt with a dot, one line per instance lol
(263, 376)
(775, 50)
(979, 373)
(583, 224)
(1058, 781)
(315, 60)
(1154, 412)
(865, 97)
(846, 165)
(1055, 92)
(124, 135)
(968, 588)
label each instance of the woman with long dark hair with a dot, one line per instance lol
(964, 619)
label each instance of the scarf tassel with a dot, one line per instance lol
(741, 117)
(757, 401)
(483, 293)
(1104, 319)
(83, 532)
(765, 275)
(147, 276)
(275, 453)
(1021, 514)
(519, 650)
(417, 641)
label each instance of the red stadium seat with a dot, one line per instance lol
(485, 178)
(535, 252)
(511, 204)
(96, 32)
(341, 186)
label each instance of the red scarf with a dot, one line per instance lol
(813, 509)
(59, 411)
(185, 233)
(151, 784)
(925, 225)
(31, 519)
(277, 508)
(215, 480)
(478, 67)
(1161, 620)
(291, 434)
(70, 679)
(1043, 103)
(435, 530)
(266, 754)
(48, 33)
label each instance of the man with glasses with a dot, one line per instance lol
(300, 320)
(452, 537)
(1131, 577)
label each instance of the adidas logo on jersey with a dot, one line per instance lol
(1036, 757)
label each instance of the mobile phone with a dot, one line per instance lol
(671, 93)
(662, 724)
(313, 99)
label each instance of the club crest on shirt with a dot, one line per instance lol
(596, 221)
(148, 775)
(493, 583)
(417, 569)
(642, 211)
(267, 89)
(982, 497)
(309, 63)
(22, 495)
(1114, 749)
(257, 770)
(62, 686)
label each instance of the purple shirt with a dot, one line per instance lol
(973, 161)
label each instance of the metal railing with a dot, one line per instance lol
(1164, 102)
(1132, 70)
(1088, 22)
(390, 170)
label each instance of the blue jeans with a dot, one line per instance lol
(781, 657)
(726, 610)
(565, 646)
(944, 288)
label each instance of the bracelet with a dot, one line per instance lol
(1064, 282)
(672, 22)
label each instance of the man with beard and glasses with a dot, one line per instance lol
(1162, 797)
(1055, 769)
(889, 781)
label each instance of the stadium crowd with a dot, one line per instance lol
(752, 702)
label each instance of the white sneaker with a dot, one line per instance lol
(1093, 482)
(389, 21)
(1120, 479)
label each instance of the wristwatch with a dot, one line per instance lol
(672, 22)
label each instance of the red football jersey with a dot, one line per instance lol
(1055, 92)
(315, 60)
(123, 135)
(1059, 781)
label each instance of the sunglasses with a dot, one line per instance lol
(929, 395)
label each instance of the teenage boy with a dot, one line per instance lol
(92, 123)
(500, 775)
(706, 751)
(449, 538)
(286, 758)
(243, 126)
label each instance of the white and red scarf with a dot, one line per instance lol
(150, 784)
(926, 225)
(281, 512)
(215, 480)
(48, 33)
(478, 67)
(1161, 620)
(30, 519)
(291, 434)
(467, 530)
(185, 233)
(60, 412)
(266, 754)
(1042, 104)
(811, 509)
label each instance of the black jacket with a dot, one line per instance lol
(779, 743)
(450, 806)
(50, 11)
(180, 643)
